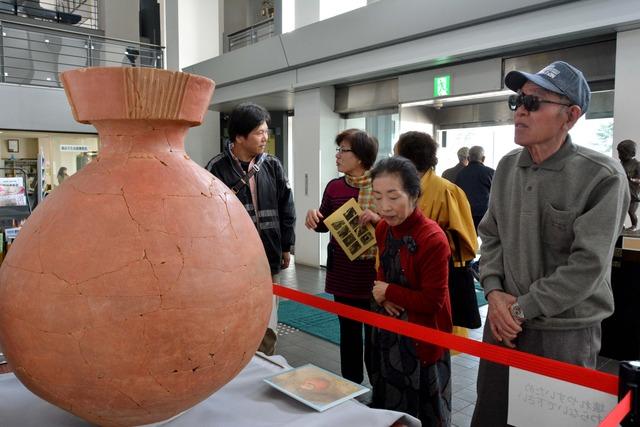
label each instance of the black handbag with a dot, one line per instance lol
(462, 292)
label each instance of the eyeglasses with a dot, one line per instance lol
(343, 150)
(530, 102)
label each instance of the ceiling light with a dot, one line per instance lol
(418, 103)
(442, 101)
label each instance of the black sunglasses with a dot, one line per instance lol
(530, 102)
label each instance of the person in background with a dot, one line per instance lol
(626, 153)
(463, 160)
(62, 175)
(259, 181)
(447, 205)
(555, 212)
(406, 375)
(475, 180)
(350, 282)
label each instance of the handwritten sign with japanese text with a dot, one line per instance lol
(536, 400)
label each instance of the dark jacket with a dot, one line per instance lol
(452, 173)
(276, 217)
(475, 180)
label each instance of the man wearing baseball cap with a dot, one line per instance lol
(555, 212)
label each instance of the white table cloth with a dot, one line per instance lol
(245, 401)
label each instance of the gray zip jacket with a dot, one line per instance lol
(549, 234)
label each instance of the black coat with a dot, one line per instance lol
(276, 217)
(475, 180)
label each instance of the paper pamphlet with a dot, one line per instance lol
(343, 225)
(315, 387)
(12, 192)
(537, 400)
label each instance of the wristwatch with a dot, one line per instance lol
(516, 312)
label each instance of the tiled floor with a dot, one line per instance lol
(300, 348)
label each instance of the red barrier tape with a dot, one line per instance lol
(552, 368)
(619, 412)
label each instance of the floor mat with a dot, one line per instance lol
(310, 320)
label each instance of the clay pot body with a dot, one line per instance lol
(139, 286)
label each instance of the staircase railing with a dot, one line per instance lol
(34, 55)
(253, 34)
(80, 13)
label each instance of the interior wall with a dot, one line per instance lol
(315, 126)
(37, 109)
(240, 14)
(120, 19)
(28, 149)
(416, 118)
(203, 142)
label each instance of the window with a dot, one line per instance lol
(384, 125)
(596, 134)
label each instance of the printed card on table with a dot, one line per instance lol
(537, 400)
(315, 387)
(351, 236)
(12, 192)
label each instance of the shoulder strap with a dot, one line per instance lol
(213, 161)
(247, 176)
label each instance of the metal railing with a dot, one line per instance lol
(80, 13)
(33, 55)
(253, 34)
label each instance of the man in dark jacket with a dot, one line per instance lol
(475, 180)
(463, 160)
(259, 181)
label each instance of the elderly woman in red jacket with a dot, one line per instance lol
(407, 375)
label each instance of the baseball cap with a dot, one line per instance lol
(559, 77)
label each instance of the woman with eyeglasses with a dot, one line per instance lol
(350, 282)
(407, 375)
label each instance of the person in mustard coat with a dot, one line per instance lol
(446, 204)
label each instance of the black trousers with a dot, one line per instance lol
(351, 341)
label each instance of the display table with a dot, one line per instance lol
(245, 401)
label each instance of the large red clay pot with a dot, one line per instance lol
(140, 286)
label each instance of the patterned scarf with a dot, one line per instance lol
(365, 200)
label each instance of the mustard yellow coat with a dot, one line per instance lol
(447, 204)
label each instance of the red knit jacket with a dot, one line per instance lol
(426, 300)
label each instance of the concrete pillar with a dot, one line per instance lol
(625, 116)
(315, 126)
(307, 12)
(171, 35)
(199, 24)
(627, 87)
(192, 31)
(193, 35)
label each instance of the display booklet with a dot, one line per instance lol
(315, 387)
(12, 192)
(353, 238)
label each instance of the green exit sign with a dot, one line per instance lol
(442, 85)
